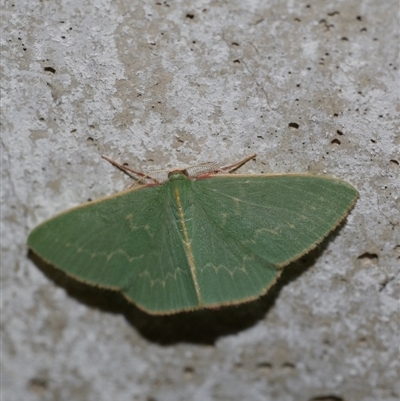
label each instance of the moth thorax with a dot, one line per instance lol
(178, 174)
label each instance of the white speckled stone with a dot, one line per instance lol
(158, 84)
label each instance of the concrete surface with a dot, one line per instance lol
(311, 86)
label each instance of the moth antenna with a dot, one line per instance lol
(233, 167)
(130, 171)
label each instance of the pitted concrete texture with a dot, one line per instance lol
(311, 86)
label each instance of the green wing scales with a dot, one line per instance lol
(128, 242)
(278, 217)
(194, 243)
(249, 227)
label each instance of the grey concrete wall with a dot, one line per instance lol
(159, 84)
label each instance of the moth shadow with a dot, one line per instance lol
(197, 327)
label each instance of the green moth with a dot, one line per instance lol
(201, 238)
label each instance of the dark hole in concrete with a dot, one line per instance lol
(368, 256)
(50, 69)
(264, 367)
(288, 365)
(38, 386)
(294, 125)
(188, 371)
(335, 142)
(327, 398)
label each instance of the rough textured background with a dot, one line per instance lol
(175, 82)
